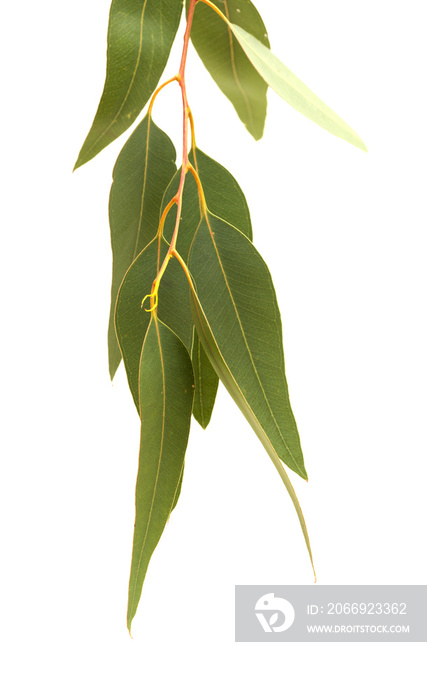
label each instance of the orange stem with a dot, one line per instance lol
(187, 117)
(216, 9)
(163, 85)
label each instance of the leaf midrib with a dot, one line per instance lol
(138, 234)
(132, 80)
(234, 67)
(199, 371)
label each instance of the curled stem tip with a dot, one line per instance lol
(153, 297)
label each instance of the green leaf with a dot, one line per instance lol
(227, 63)
(228, 379)
(143, 170)
(205, 384)
(225, 199)
(292, 89)
(236, 293)
(166, 385)
(140, 37)
(131, 321)
(178, 491)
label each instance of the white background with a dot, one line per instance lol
(344, 235)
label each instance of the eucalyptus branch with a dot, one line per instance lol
(205, 322)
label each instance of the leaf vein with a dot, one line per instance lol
(234, 67)
(132, 80)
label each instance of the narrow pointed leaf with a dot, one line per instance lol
(224, 373)
(236, 293)
(140, 37)
(142, 172)
(227, 63)
(224, 198)
(205, 384)
(166, 383)
(131, 321)
(292, 89)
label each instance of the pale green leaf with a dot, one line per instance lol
(143, 170)
(292, 89)
(237, 296)
(140, 37)
(166, 385)
(227, 63)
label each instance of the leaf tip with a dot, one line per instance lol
(203, 422)
(301, 472)
(83, 157)
(129, 623)
(80, 161)
(256, 130)
(357, 141)
(360, 144)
